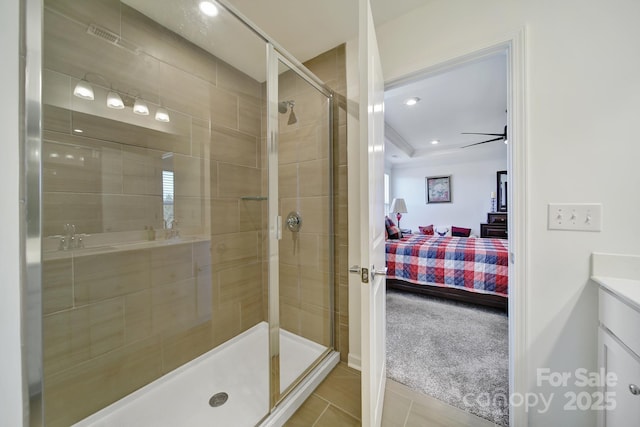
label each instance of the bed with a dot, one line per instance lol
(473, 270)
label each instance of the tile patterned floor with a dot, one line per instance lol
(336, 403)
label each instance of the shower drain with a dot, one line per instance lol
(218, 399)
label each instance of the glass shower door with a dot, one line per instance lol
(304, 206)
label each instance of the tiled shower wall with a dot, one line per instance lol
(115, 320)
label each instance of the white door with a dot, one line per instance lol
(372, 241)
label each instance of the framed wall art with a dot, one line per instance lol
(438, 189)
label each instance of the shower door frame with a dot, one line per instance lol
(275, 221)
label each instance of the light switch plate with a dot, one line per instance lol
(575, 216)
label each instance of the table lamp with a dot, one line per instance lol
(399, 207)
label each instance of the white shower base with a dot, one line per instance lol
(239, 367)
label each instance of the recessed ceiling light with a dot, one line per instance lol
(78, 130)
(412, 101)
(435, 141)
(208, 8)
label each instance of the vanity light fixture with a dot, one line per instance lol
(411, 101)
(162, 115)
(114, 101)
(140, 107)
(84, 90)
(208, 8)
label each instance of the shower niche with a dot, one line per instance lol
(170, 159)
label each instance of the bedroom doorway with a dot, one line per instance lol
(488, 139)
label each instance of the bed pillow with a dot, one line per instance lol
(460, 231)
(427, 229)
(392, 230)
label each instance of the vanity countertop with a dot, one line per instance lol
(619, 274)
(627, 289)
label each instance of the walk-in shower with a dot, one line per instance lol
(173, 291)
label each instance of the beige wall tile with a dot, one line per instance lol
(105, 13)
(200, 138)
(173, 306)
(83, 210)
(315, 288)
(137, 315)
(57, 285)
(223, 107)
(240, 284)
(289, 282)
(56, 119)
(192, 215)
(165, 45)
(189, 176)
(315, 324)
(71, 395)
(233, 80)
(235, 249)
(142, 171)
(314, 178)
(238, 181)
(181, 347)
(225, 216)
(184, 92)
(171, 263)
(80, 165)
(131, 212)
(73, 336)
(231, 146)
(204, 290)
(249, 116)
(252, 215)
(98, 277)
(288, 180)
(325, 65)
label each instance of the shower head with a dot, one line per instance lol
(283, 106)
(292, 117)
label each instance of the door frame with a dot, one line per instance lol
(517, 167)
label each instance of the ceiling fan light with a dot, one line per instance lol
(162, 115)
(84, 90)
(114, 101)
(140, 107)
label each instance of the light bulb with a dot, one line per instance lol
(84, 90)
(114, 101)
(208, 8)
(140, 107)
(162, 115)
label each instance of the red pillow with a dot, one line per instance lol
(427, 229)
(460, 231)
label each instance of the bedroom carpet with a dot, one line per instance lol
(455, 352)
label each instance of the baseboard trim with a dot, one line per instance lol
(354, 361)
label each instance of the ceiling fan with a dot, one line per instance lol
(500, 137)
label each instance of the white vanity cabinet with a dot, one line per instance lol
(619, 350)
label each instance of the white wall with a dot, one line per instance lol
(471, 187)
(11, 365)
(582, 108)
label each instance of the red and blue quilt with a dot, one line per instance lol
(474, 264)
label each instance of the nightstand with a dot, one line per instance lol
(496, 226)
